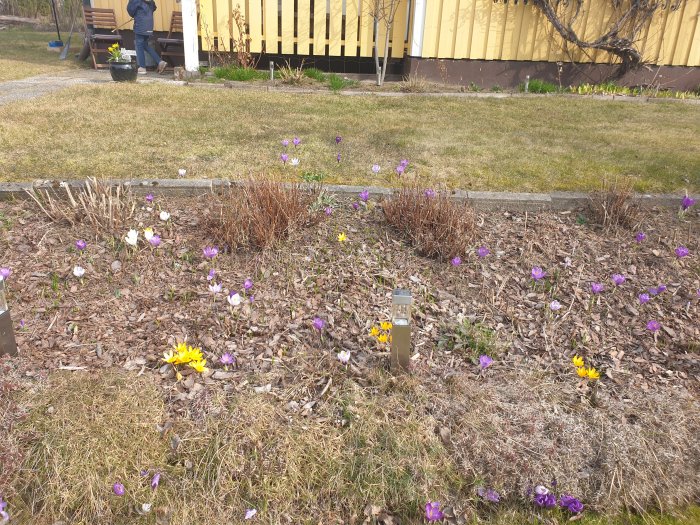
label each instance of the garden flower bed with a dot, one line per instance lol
(165, 378)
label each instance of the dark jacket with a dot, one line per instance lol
(142, 13)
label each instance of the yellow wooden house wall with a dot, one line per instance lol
(453, 29)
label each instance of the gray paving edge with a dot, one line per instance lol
(559, 200)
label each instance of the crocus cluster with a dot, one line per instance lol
(183, 354)
(433, 512)
(589, 373)
(488, 494)
(401, 168)
(381, 333)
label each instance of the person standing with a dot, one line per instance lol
(142, 13)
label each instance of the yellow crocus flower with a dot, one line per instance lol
(577, 360)
(386, 326)
(581, 371)
(374, 332)
(342, 237)
(593, 374)
(383, 338)
(169, 357)
(199, 366)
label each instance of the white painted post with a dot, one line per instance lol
(189, 34)
(418, 26)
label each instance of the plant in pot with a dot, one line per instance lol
(120, 66)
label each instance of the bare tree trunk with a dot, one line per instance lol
(386, 53)
(376, 50)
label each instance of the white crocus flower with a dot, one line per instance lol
(79, 271)
(294, 161)
(234, 299)
(182, 172)
(215, 288)
(164, 216)
(344, 356)
(541, 491)
(132, 238)
(148, 234)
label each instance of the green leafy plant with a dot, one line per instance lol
(315, 74)
(469, 339)
(311, 177)
(336, 82)
(539, 86)
(240, 74)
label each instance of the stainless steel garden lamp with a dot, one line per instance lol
(401, 330)
(7, 334)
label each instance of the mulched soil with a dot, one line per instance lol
(130, 307)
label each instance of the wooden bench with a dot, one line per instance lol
(103, 34)
(171, 46)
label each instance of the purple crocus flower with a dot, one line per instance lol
(337, 157)
(338, 138)
(149, 198)
(653, 326)
(3, 513)
(546, 501)
(80, 245)
(430, 193)
(597, 287)
(155, 241)
(433, 512)
(492, 496)
(5, 273)
(318, 323)
(682, 251)
(364, 195)
(227, 359)
(211, 275)
(687, 202)
(572, 504)
(118, 489)
(210, 252)
(643, 298)
(618, 279)
(355, 206)
(296, 141)
(285, 142)
(485, 361)
(247, 284)
(641, 236)
(482, 251)
(328, 210)
(456, 261)
(22, 324)
(658, 289)
(538, 273)
(284, 158)
(400, 169)
(375, 168)
(555, 306)
(155, 481)
(404, 163)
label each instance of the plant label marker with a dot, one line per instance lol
(7, 334)
(401, 330)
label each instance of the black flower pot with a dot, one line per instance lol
(123, 71)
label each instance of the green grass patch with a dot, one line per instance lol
(539, 86)
(24, 53)
(239, 74)
(315, 74)
(517, 144)
(336, 82)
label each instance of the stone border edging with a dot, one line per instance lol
(558, 200)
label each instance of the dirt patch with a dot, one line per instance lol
(524, 420)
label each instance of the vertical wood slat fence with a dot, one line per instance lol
(453, 29)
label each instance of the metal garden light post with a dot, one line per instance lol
(7, 335)
(401, 330)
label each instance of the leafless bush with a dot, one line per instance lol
(413, 83)
(292, 75)
(103, 206)
(261, 212)
(435, 225)
(614, 206)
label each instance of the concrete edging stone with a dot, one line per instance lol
(558, 200)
